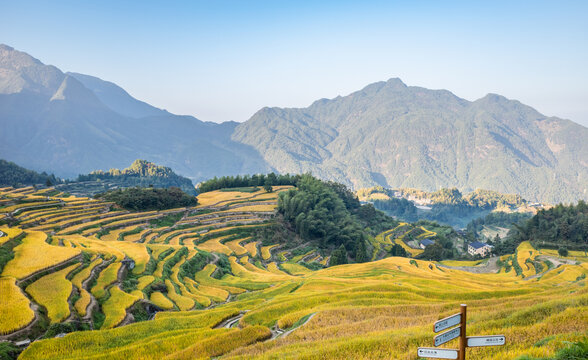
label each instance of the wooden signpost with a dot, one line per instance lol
(454, 333)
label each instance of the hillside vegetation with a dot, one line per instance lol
(14, 175)
(562, 226)
(233, 277)
(245, 181)
(141, 173)
(141, 199)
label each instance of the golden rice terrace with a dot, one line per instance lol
(193, 283)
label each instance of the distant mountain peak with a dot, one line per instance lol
(20, 72)
(491, 97)
(396, 83)
(116, 98)
(72, 90)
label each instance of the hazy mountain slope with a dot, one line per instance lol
(385, 134)
(393, 135)
(53, 122)
(116, 98)
(20, 72)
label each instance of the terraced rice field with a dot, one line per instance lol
(34, 255)
(205, 274)
(14, 307)
(52, 291)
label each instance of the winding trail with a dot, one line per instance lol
(279, 333)
(489, 267)
(231, 322)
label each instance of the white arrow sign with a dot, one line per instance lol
(491, 340)
(446, 323)
(447, 336)
(437, 353)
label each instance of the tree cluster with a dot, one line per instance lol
(329, 214)
(142, 199)
(558, 227)
(137, 168)
(267, 181)
(144, 174)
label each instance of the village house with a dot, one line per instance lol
(479, 248)
(426, 242)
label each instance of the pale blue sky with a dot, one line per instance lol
(224, 60)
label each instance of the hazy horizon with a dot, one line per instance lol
(226, 60)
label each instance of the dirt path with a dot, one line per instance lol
(277, 332)
(489, 267)
(231, 322)
(93, 302)
(556, 261)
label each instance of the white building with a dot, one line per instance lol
(479, 248)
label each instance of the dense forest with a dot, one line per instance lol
(561, 226)
(16, 176)
(331, 215)
(141, 173)
(143, 199)
(268, 180)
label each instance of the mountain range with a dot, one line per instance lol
(386, 134)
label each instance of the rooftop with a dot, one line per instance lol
(478, 245)
(427, 242)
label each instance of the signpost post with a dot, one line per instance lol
(462, 339)
(454, 333)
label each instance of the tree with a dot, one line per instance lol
(48, 182)
(268, 186)
(564, 229)
(361, 252)
(563, 251)
(398, 250)
(338, 256)
(433, 252)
